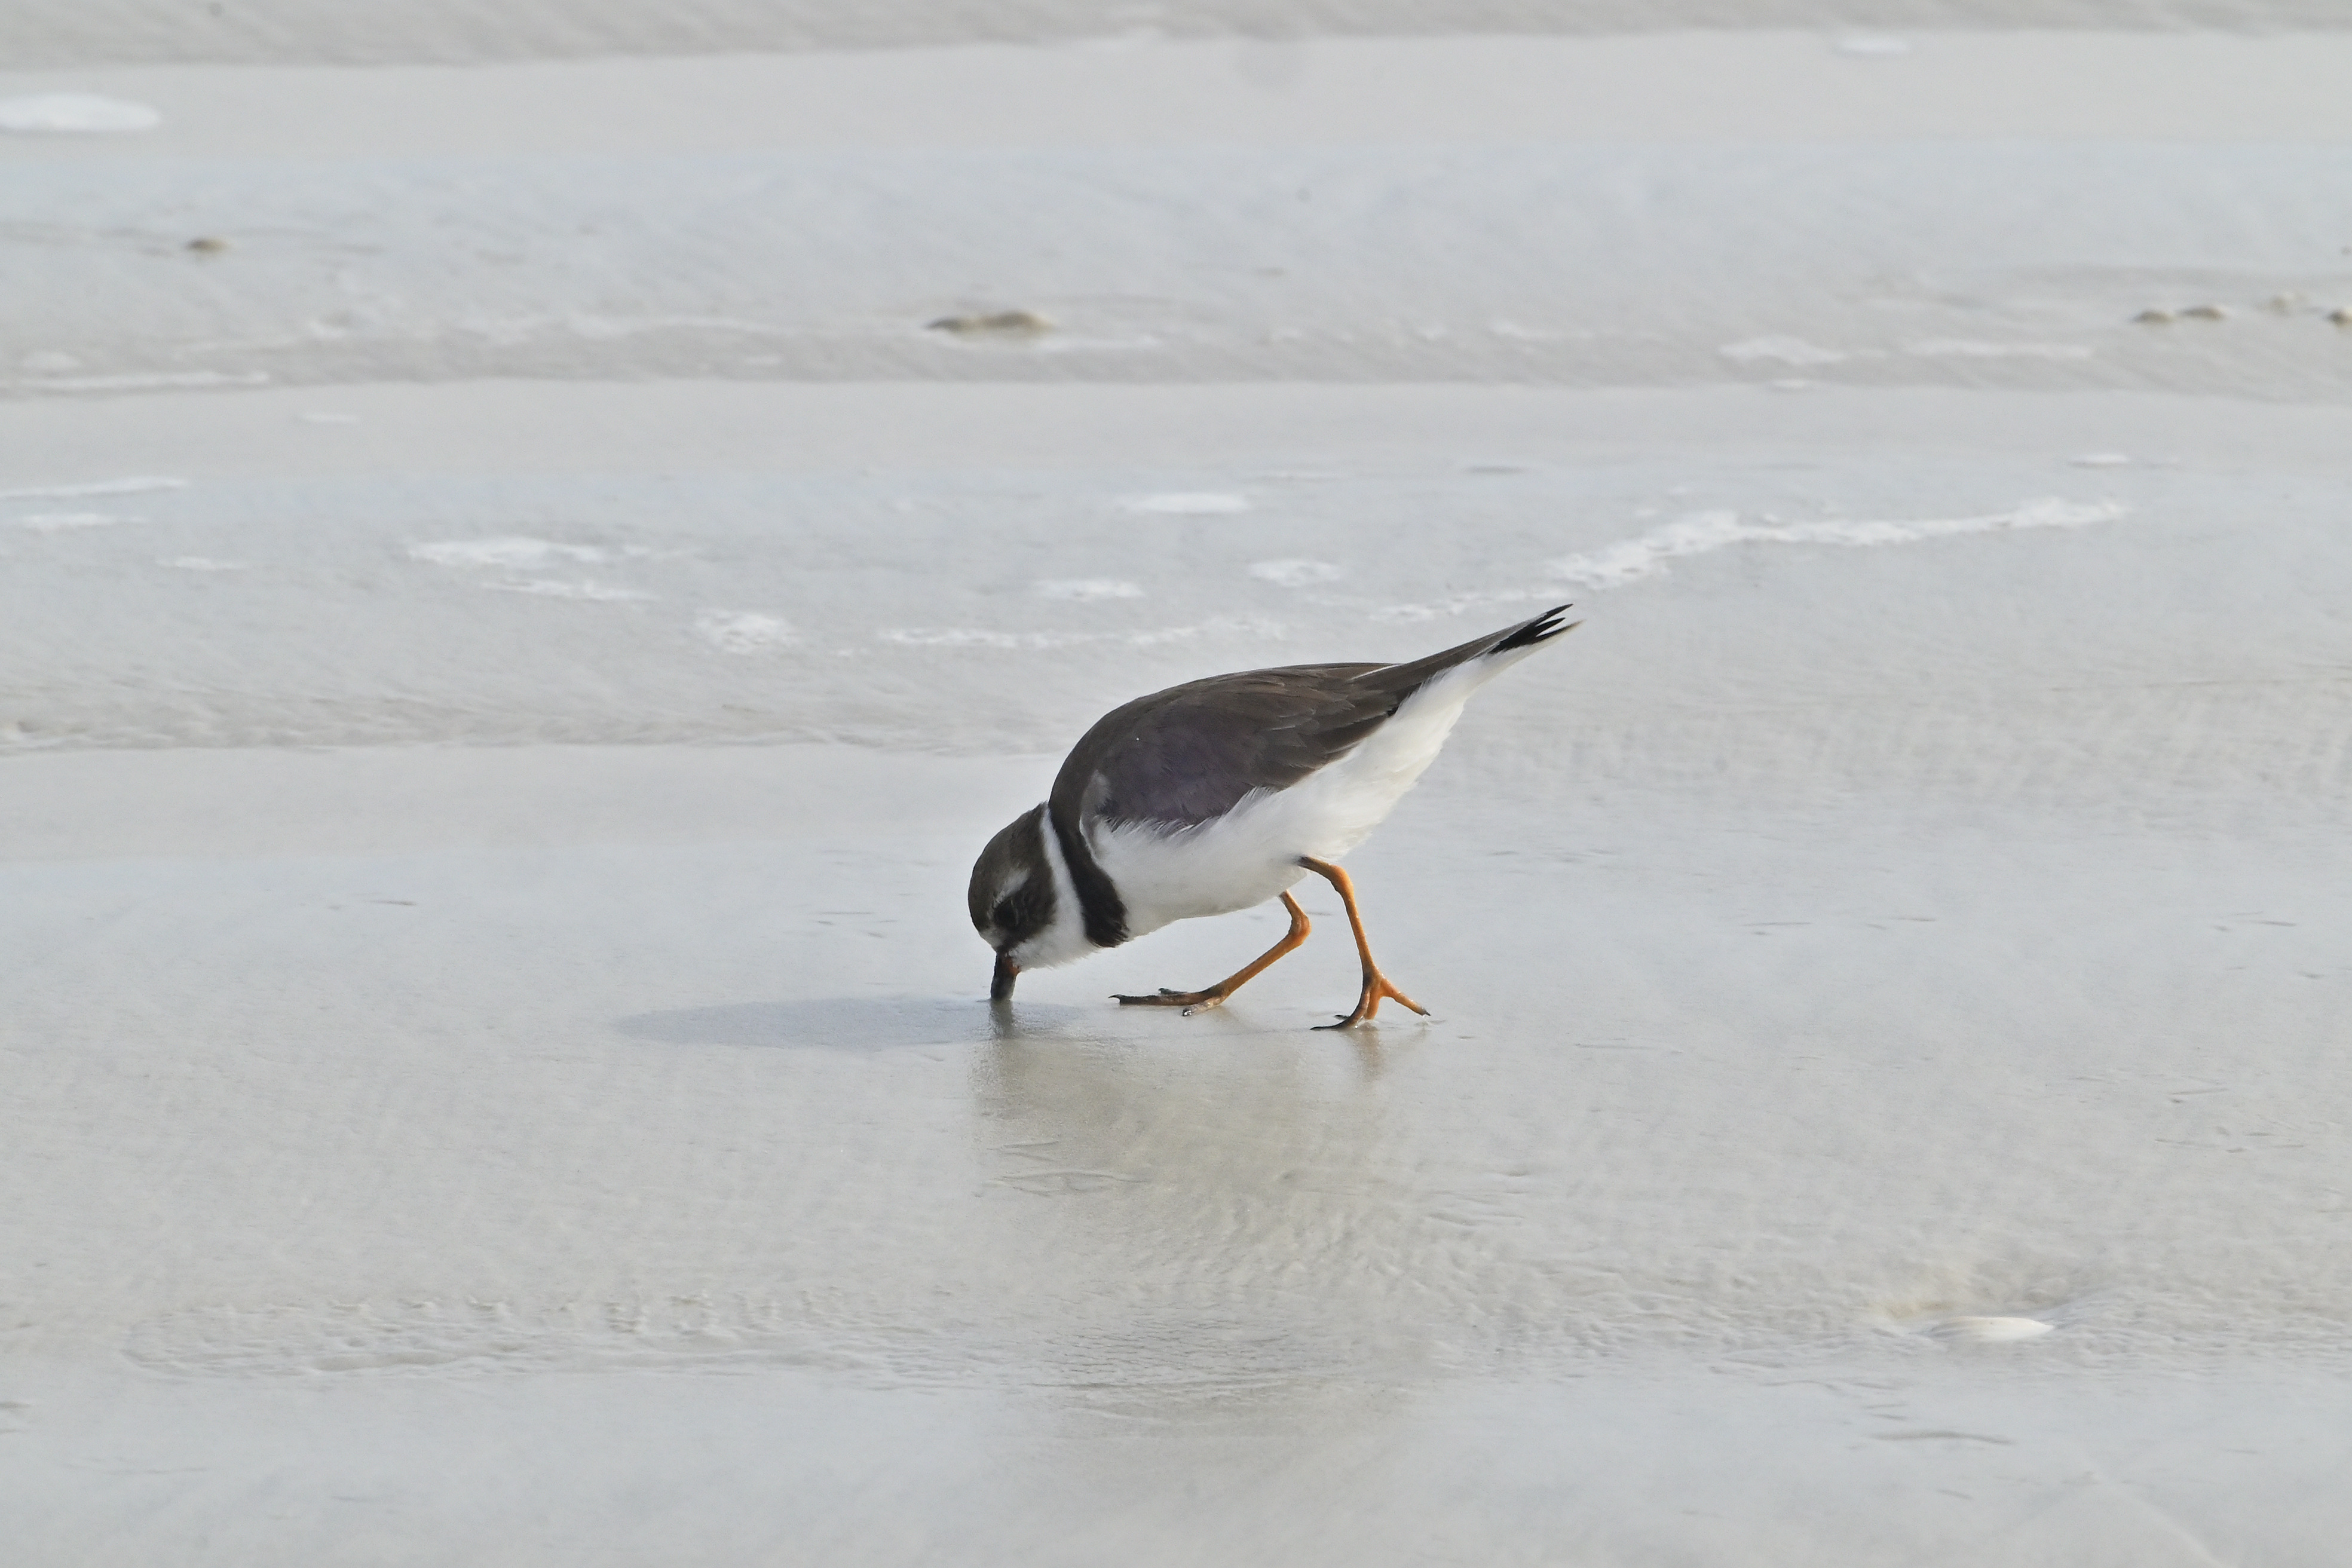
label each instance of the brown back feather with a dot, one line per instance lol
(1189, 753)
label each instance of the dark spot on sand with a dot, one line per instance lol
(992, 324)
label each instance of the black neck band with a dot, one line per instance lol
(1098, 900)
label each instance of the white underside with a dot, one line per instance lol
(1065, 938)
(1251, 853)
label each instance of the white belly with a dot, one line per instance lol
(1251, 853)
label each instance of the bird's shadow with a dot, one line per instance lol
(847, 1022)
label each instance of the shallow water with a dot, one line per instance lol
(684, 1124)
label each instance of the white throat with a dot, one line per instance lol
(1065, 938)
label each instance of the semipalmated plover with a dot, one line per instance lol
(1218, 794)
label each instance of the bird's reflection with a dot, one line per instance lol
(1209, 1215)
(1216, 1220)
(855, 1024)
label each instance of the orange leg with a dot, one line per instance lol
(1376, 984)
(1188, 1000)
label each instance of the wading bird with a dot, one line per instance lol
(1218, 795)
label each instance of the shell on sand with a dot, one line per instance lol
(1987, 1331)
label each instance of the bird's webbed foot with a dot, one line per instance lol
(1188, 1000)
(1377, 990)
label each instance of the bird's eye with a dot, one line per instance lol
(1000, 917)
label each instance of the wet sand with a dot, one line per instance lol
(496, 730)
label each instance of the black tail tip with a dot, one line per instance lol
(1543, 629)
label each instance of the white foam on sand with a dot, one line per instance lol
(125, 486)
(1086, 590)
(1971, 348)
(1631, 560)
(516, 552)
(1189, 503)
(1782, 350)
(1295, 573)
(581, 588)
(1645, 556)
(1154, 637)
(151, 380)
(978, 636)
(743, 631)
(74, 115)
(60, 521)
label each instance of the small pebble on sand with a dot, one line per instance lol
(993, 325)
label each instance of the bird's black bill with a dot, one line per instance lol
(1000, 984)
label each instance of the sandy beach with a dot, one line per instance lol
(533, 561)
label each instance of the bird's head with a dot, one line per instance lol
(1013, 898)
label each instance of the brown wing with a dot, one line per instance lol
(1189, 753)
